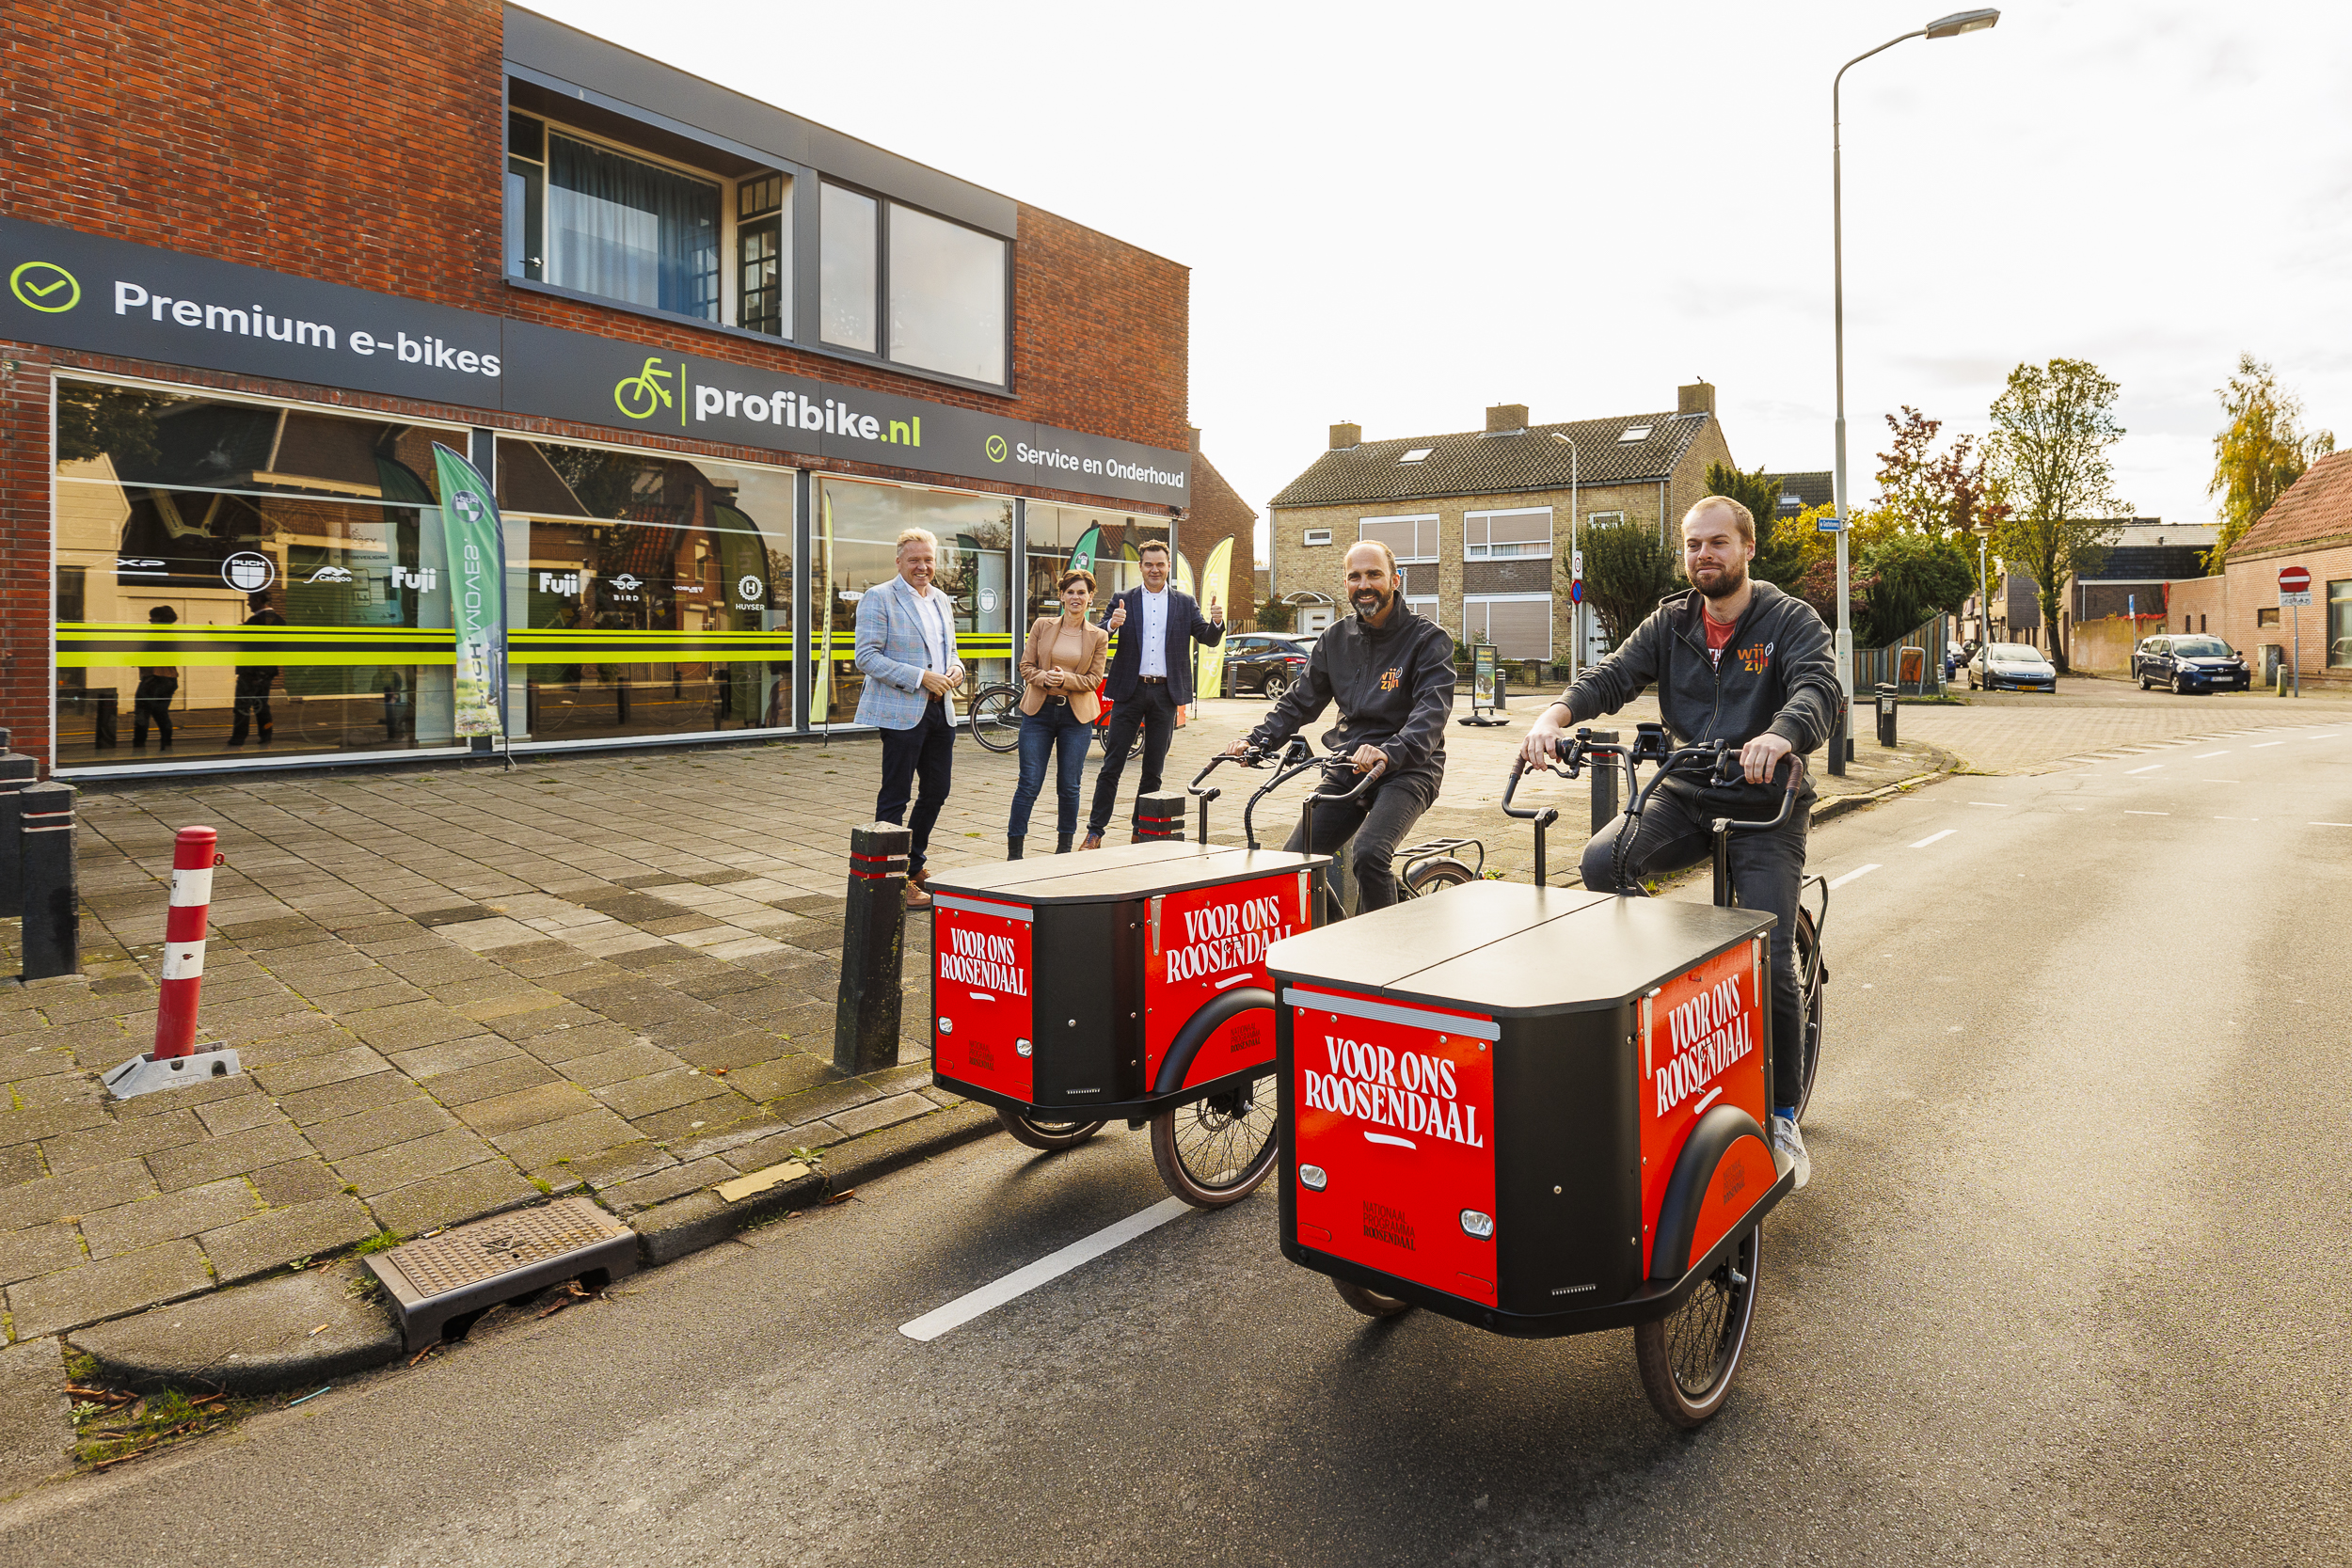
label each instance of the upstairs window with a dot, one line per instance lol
(850, 279)
(763, 283)
(1505, 536)
(947, 296)
(1407, 538)
(630, 231)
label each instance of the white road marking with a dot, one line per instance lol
(2202, 755)
(2328, 735)
(1932, 837)
(2003, 805)
(2260, 746)
(2217, 780)
(2131, 812)
(1858, 871)
(2150, 768)
(961, 1310)
(2332, 824)
(2237, 820)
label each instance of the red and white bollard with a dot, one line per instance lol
(175, 1059)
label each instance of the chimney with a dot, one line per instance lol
(1696, 399)
(1506, 419)
(1196, 437)
(1346, 436)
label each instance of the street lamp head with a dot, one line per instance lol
(1962, 22)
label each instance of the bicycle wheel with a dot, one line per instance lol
(995, 716)
(1217, 1150)
(1433, 876)
(1039, 1132)
(1809, 1049)
(1688, 1359)
(1372, 1304)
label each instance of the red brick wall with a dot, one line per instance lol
(363, 145)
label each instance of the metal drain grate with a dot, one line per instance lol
(474, 1266)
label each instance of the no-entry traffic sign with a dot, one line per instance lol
(2294, 587)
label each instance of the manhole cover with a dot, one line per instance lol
(473, 1266)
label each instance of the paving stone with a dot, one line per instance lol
(130, 1226)
(554, 1100)
(109, 1145)
(453, 1055)
(539, 1022)
(239, 1114)
(44, 1249)
(54, 1198)
(192, 1164)
(860, 1120)
(261, 1339)
(634, 1059)
(459, 1195)
(188, 1098)
(35, 1416)
(295, 1181)
(825, 1100)
(414, 1117)
(24, 1127)
(660, 955)
(540, 1145)
(90, 1291)
(380, 995)
(349, 1098)
(491, 1080)
(310, 1072)
(397, 1164)
(785, 1076)
(640, 1003)
(698, 1118)
(628, 1198)
(637, 1157)
(318, 1037)
(279, 1236)
(637, 1097)
(69, 1087)
(411, 1026)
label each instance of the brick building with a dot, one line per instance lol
(1218, 514)
(1480, 521)
(2311, 527)
(712, 356)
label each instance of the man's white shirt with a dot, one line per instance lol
(930, 604)
(1154, 633)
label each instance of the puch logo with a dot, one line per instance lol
(466, 505)
(424, 580)
(1226, 937)
(640, 395)
(1756, 659)
(1396, 1088)
(247, 570)
(1391, 679)
(996, 448)
(1709, 1033)
(565, 583)
(46, 287)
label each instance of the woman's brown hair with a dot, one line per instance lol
(1062, 583)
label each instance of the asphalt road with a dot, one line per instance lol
(2065, 1288)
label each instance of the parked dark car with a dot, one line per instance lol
(1264, 662)
(2013, 665)
(2189, 664)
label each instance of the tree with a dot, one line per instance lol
(1626, 571)
(2261, 452)
(1778, 549)
(2052, 427)
(95, 421)
(1911, 574)
(1933, 494)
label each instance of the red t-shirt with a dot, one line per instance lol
(1718, 638)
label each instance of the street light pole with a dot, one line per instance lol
(1943, 27)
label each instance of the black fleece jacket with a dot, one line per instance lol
(1394, 685)
(1779, 672)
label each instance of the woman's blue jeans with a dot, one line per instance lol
(1051, 726)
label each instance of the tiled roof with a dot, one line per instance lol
(2148, 564)
(2317, 507)
(1805, 489)
(1473, 464)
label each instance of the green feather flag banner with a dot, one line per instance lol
(477, 570)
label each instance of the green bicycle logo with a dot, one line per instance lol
(643, 394)
(39, 296)
(996, 448)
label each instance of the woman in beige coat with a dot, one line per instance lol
(1061, 670)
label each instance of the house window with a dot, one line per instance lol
(1519, 625)
(939, 285)
(623, 228)
(1503, 536)
(2266, 617)
(763, 279)
(526, 196)
(2339, 624)
(1315, 537)
(1407, 538)
(1603, 520)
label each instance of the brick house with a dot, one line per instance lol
(1480, 521)
(711, 355)
(1216, 514)
(2311, 527)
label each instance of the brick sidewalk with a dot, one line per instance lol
(457, 989)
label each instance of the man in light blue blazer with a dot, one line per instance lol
(906, 650)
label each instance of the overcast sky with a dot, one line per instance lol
(1398, 215)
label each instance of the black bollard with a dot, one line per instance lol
(1888, 707)
(873, 944)
(1160, 815)
(15, 773)
(1840, 746)
(53, 905)
(1605, 775)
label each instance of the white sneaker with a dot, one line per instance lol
(1788, 1140)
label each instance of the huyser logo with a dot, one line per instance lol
(565, 583)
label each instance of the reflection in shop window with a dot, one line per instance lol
(1056, 532)
(857, 532)
(657, 591)
(249, 580)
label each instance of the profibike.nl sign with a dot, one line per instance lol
(70, 290)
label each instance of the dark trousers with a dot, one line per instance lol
(924, 752)
(1376, 824)
(1154, 710)
(252, 704)
(1052, 728)
(153, 700)
(1767, 874)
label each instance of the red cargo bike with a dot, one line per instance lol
(1541, 1111)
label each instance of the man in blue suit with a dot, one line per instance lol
(1149, 678)
(906, 650)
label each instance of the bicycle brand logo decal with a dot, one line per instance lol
(423, 582)
(1756, 657)
(564, 583)
(751, 593)
(329, 574)
(248, 570)
(1391, 679)
(1403, 1089)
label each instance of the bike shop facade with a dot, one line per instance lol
(712, 356)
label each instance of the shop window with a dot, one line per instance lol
(2339, 624)
(856, 545)
(1505, 535)
(1407, 538)
(947, 296)
(656, 593)
(1056, 532)
(239, 580)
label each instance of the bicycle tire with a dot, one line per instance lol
(1809, 1049)
(1688, 1359)
(1436, 876)
(1372, 1304)
(1204, 1149)
(995, 716)
(1050, 1136)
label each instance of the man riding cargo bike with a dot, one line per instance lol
(1741, 662)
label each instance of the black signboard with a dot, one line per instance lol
(76, 290)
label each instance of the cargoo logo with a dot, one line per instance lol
(46, 287)
(996, 448)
